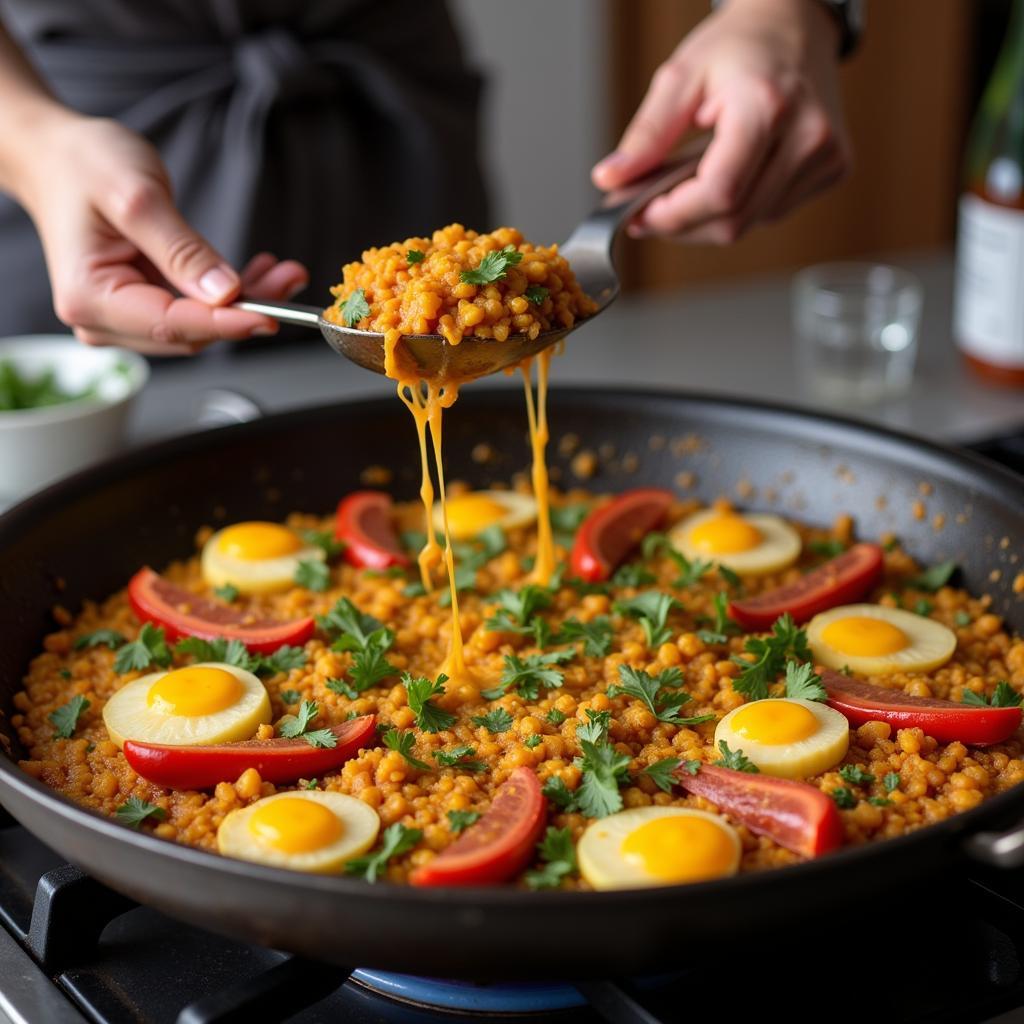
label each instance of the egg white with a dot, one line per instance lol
(253, 576)
(359, 827)
(931, 643)
(519, 510)
(128, 715)
(817, 753)
(779, 547)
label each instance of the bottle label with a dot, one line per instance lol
(988, 315)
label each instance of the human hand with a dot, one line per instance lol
(763, 75)
(125, 268)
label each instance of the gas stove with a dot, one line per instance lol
(73, 951)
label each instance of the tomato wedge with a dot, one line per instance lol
(610, 532)
(840, 580)
(797, 816)
(277, 760)
(364, 522)
(944, 720)
(499, 845)
(182, 613)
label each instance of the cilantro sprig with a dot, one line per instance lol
(65, 718)
(651, 608)
(396, 840)
(802, 683)
(661, 772)
(529, 674)
(298, 725)
(354, 308)
(459, 821)
(459, 757)
(105, 637)
(496, 721)
(595, 634)
(313, 575)
(403, 742)
(1004, 696)
(429, 716)
(735, 759)
(771, 655)
(604, 768)
(933, 578)
(150, 648)
(134, 811)
(558, 853)
(493, 267)
(661, 694)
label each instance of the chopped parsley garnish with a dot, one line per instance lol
(149, 649)
(934, 578)
(830, 548)
(228, 652)
(355, 626)
(518, 608)
(414, 256)
(891, 781)
(772, 652)
(732, 579)
(354, 308)
(557, 851)
(367, 639)
(65, 673)
(844, 797)
(661, 772)
(604, 770)
(689, 572)
(633, 574)
(923, 607)
(496, 721)
(565, 521)
(369, 666)
(459, 757)
(65, 718)
(802, 683)
(536, 294)
(228, 592)
(459, 821)
(312, 575)
(879, 801)
(403, 742)
(555, 717)
(596, 727)
(596, 635)
(1004, 696)
(325, 541)
(528, 674)
(652, 690)
(723, 624)
(855, 775)
(298, 725)
(107, 637)
(284, 659)
(493, 267)
(962, 619)
(290, 696)
(311, 784)
(134, 811)
(651, 609)
(735, 759)
(559, 793)
(533, 741)
(396, 840)
(429, 717)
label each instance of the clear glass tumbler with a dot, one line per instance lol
(856, 330)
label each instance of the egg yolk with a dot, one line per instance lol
(774, 722)
(864, 636)
(194, 691)
(680, 848)
(725, 535)
(253, 542)
(468, 514)
(294, 825)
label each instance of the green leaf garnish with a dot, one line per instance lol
(533, 741)
(555, 717)
(557, 851)
(149, 649)
(284, 659)
(845, 798)
(536, 294)
(228, 592)
(830, 548)
(496, 721)
(459, 757)
(661, 772)
(429, 717)
(355, 308)
(735, 759)
(934, 578)
(346, 619)
(290, 696)
(325, 541)
(65, 718)
(313, 575)
(403, 742)
(396, 840)
(802, 683)
(651, 608)
(1004, 696)
(134, 811)
(228, 652)
(518, 607)
(493, 267)
(414, 256)
(107, 637)
(786, 642)
(559, 793)
(633, 574)
(604, 771)
(596, 635)
(891, 781)
(459, 821)
(299, 724)
(652, 690)
(855, 775)
(529, 674)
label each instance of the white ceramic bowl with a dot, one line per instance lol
(38, 446)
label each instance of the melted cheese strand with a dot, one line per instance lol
(537, 418)
(431, 553)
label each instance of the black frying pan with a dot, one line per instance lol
(94, 530)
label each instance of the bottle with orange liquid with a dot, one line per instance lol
(988, 317)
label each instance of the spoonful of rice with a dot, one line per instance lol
(459, 305)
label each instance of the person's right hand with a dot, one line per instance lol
(125, 268)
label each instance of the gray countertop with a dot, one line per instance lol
(733, 339)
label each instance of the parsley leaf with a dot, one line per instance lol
(633, 574)
(962, 619)
(354, 626)
(923, 607)
(299, 725)
(496, 721)
(493, 267)
(459, 757)
(230, 652)
(556, 717)
(370, 666)
(65, 718)
(284, 659)
(429, 717)
(461, 820)
(325, 541)
(934, 578)
(1005, 696)
(108, 637)
(396, 840)
(414, 256)
(651, 608)
(311, 784)
(557, 851)
(596, 727)
(660, 773)
(313, 575)
(321, 738)
(536, 294)
(596, 635)
(891, 781)
(290, 696)
(559, 793)
(565, 521)
(529, 673)
(354, 308)
(149, 649)
(879, 801)
(518, 607)
(228, 592)
(735, 759)
(830, 548)
(403, 742)
(689, 572)
(732, 579)
(802, 683)
(647, 688)
(604, 770)
(785, 642)
(134, 811)
(855, 775)
(845, 798)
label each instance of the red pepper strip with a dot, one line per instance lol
(499, 845)
(841, 580)
(610, 532)
(364, 522)
(797, 816)
(182, 613)
(944, 720)
(277, 760)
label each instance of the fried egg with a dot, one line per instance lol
(205, 703)
(872, 639)
(748, 543)
(256, 557)
(789, 738)
(471, 513)
(307, 831)
(650, 846)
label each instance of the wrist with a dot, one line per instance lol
(813, 23)
(30, 132)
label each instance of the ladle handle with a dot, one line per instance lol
(287, 312)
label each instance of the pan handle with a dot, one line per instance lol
(998, 849)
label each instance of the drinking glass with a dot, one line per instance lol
(856, 330)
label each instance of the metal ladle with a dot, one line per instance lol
(588, 251)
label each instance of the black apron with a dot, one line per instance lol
(310, 128)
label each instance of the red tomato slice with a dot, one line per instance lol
(277, 760)
(797, 816)
(944, 720)
(499, 845)
(841, 580)
(182, 613)
(610, 532)
(364, 522)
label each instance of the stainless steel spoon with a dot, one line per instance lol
(588, 250)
